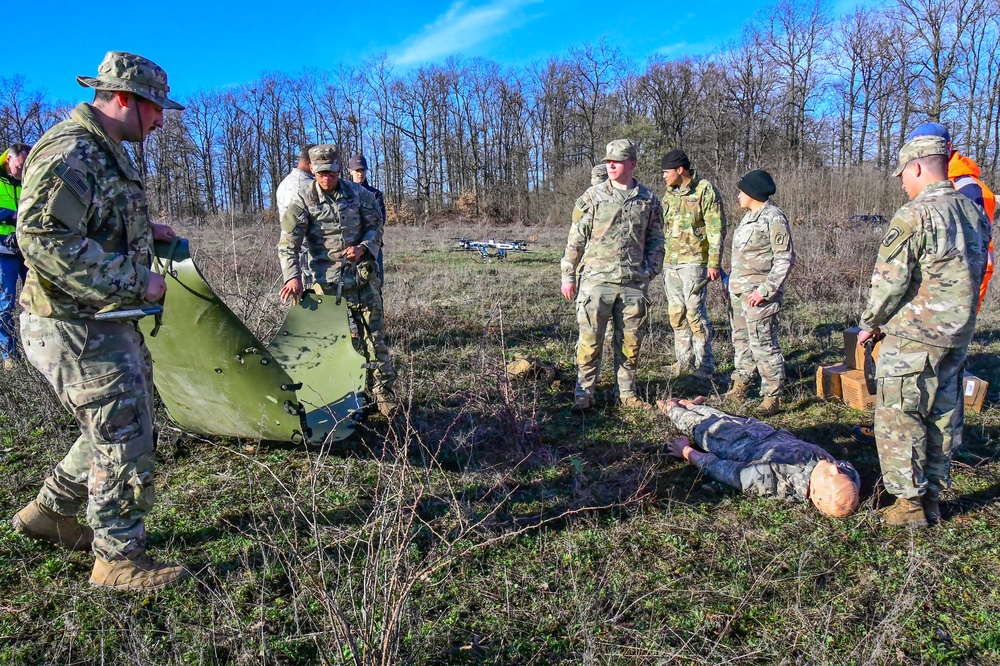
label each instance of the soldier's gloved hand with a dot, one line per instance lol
(156, 288)
(569, 291)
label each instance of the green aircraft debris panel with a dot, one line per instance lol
(314, 346)
(214, 376)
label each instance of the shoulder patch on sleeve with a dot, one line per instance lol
(74, 179)
(781, 237)
(900, 230)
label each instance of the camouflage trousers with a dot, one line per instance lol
(919, 412)
(365, 303)
(596, 306)
(102, 374)
(686, 287)
(755, 344)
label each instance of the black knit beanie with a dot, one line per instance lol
(675, 158)
(757, 184)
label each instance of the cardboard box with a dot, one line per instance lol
(855, 390)
(854, 354)
(974, 390)
(828, 384)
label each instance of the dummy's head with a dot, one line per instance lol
(833, 488)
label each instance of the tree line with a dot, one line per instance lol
(801, 89)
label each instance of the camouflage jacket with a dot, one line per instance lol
(750, 455)
(289, 187)
(763, 254)
(611, 242)
(694, 224)
(328, 222)
(83, 223)
(926, 281)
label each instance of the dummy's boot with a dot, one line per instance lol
(905, 513)
(737, 392)
(635, 402)
(139, 573)
(40, 522)
(769, 406)
(932, 507)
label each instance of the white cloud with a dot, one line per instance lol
(460, 28)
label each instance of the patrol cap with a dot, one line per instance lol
(358, 162)
(620, 150)
(930, 129)
(599, 174)
(127, 72)
(921, 146)
(324, 157)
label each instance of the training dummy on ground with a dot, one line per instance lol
(753, 457)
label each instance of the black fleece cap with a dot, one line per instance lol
(675, 158)
(758, 184)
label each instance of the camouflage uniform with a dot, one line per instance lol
(763, 257)
(750, 455)
(616, 242)
(924, 293)
(86, 236)
(327, 223)
(694, 225)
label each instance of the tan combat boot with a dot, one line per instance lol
(139, 573)
(905, 513)
(40, 522)
(769, 406)
(583, 403)
(932, 507)
(737, 392)
(386, 403)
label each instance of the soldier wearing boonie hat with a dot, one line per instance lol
(923, 298)
(87, 238)
(609, 278)
(338, 222)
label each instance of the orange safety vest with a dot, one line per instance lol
(959, 167)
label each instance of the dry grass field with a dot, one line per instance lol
(495, 526)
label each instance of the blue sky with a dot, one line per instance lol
(205, 45)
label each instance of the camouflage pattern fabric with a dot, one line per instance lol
(686, 288)
(625, 308)
(924, 295)
(755, 344)
(763, 253)
(128, 72)
(84, 228)
(694, 223)
(750, 455)
(599, 174)
(919, 412)
(102, 374)
(763, 257)
(83, 223)
(616, 242)
(326, 223)
(925, 286)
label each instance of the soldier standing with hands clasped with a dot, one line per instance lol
(924, 296)
(85, 232)
(763, 257)
(617, 238)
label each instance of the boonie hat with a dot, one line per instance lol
(128, 72)
(620, 150)
(324, 157)
(358, 162)
(921, 146)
